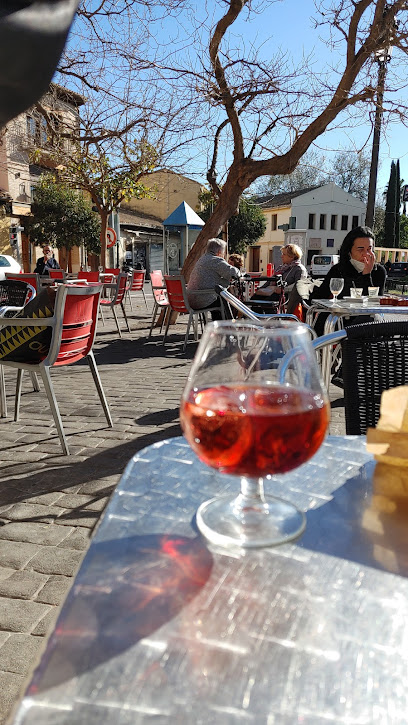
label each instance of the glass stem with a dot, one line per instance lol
(251, 498)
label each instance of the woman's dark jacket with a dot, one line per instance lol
(350, 275)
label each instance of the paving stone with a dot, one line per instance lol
(100, 486)
(55, 560)
(79, 539)
(20, 653)
(72, 518)
(5, 573)
(11, 688)
(22, 616)
(22, 585)
(28, 511)
(47, 498)
(54, 590)
(47, 623)
(16, 554)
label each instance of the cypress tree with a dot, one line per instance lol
(397, 203)
(390, 208)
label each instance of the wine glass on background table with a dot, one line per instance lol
(254, 405)
(336, 286)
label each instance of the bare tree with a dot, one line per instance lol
(272, 115)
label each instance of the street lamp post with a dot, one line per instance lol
(382, 57)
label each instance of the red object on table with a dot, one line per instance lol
(269, 270)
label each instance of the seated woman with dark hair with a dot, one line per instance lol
(357, 266)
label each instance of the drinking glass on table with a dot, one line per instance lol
(336, 286)
(253, 405)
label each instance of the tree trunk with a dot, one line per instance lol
(227, 205)
(63, 257)
(93, 262)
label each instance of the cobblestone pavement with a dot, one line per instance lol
(50, 503)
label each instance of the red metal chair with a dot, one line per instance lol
(73, 331)
(160, 299)
(89, 276)
(115, 299)
(136, 284)
(177, 295)
(56, 274)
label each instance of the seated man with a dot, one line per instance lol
(47, 262)
(211, 269)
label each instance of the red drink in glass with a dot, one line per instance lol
(254, 430)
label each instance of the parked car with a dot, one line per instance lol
(322, 264)
(8, 264)
(399, 269)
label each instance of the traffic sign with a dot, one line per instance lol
(110, 237)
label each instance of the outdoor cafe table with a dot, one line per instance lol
(161, 627)
(339, 311)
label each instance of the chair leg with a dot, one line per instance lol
(130, 300)
(117, 322)
(101, 393)
(190, 317)
(154, 314)
(34, 380)
(3, 401)
(144, 296)
(101, 314)
(167, 324)
(17, 399)
(45, 374)
(125, 316)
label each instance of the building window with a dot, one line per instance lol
(274, 222)
(344, 223)
(322, 221)
(330, 242)
(292, 222)
(311, 221)
(354, 223)
(31, 127)
(333, 222)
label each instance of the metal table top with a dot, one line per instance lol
(346, 308)
(159, 627)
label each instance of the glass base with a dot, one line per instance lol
(273, 521)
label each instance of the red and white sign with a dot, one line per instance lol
(110, 237)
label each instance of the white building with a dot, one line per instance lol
(316, 218)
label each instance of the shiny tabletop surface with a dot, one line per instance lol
(367, 307)
(161, 627)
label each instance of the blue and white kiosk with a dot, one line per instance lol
(181, 230)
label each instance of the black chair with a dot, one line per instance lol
(374, 359)
(13, 296)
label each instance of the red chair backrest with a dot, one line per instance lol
(122, 284)
(115, 271)
(78, 325)
(158, 287)
(89, 276)
(138, 278)
(33, 279)
(175, 293)
(56, 273)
